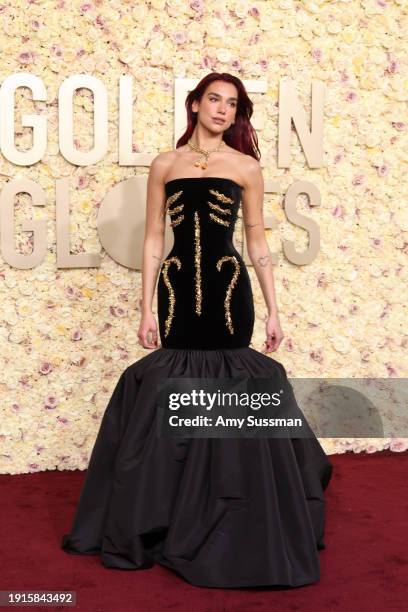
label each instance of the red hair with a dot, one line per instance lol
(241, 136)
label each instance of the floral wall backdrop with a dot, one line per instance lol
(66, 334)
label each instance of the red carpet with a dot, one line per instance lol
(364, 567)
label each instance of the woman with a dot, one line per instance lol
(221, 512)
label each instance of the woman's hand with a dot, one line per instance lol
(274, 335)
(148, 325)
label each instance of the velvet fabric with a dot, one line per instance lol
(207, 330)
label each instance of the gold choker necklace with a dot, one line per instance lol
(204, 153)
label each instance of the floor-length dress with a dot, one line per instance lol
(221, 512)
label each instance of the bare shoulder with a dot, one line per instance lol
(160, 165)
(163, 160)
(250, 170)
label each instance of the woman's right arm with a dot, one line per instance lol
(152, 248)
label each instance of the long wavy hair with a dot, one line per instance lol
(242, 135)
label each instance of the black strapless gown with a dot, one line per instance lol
(221, 512)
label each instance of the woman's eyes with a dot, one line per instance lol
(216, 100)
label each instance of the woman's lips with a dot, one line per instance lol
(218, 120)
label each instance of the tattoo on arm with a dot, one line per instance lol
(159, 260)
(263, 261)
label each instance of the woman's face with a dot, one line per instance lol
(219, 101)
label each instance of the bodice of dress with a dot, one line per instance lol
(204, 287)
(208, 205)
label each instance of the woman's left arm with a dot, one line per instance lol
(258, 249)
